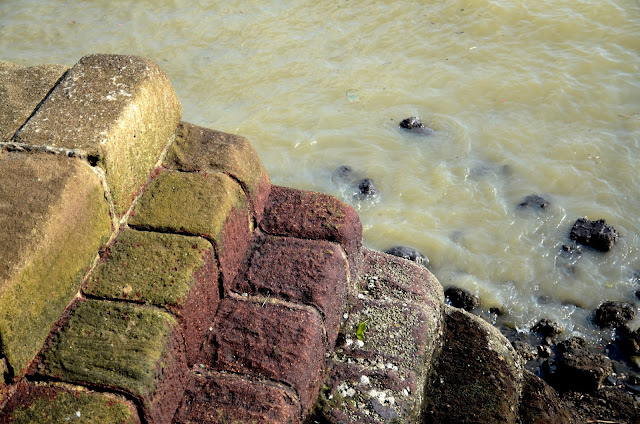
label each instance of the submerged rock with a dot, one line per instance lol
(460, 298)
(414, 125)
(547, 328)
(597, 234)
(614, 314)
(342, 172)
(534, 202)
(568, 257)
(408, 253)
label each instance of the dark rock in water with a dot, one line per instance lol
(568, 257)
(614, 314)
(408, 253)
(525, 350)
(534, 202)
(496, 311)
(638, 294)
(579, 369)
(367, 188)
(343, 171)
(414, 125)
(461, 298)
(597, 234)
(630, 340)
(547, 328)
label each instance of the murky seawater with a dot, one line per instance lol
(533, 97)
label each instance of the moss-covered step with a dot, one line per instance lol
(122, 347)
(53, 404)
(393, 330)
(314, 216)
(54, 219)
(202, 149)
(214, 397)
(210, 205)
(173, 271)
(22, 88)
(120, 111)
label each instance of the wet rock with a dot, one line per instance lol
(607, 405)
(597, 234)
(367, 188)
(408, 253)
(544, 351)
(577, 368)
(534, 202)
(547, 328)
(614, 314)
(540, 404)
(460, 298)
(414, 125)
(495, 311)
(343, 171)
(630, 340)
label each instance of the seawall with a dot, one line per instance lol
(151, 272)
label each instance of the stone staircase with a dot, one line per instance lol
(151, 273)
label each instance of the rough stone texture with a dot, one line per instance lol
(614, 314)
(120, 111)
(210, 205)
(606, 406)
(54, 219)
(166, 270)
(478, 375)
(597, 234)
(539, 403)
(311, 272)
(201, 149)
(383, 356)
(270, 339)
(21, 90)
(579, 369)
(48, 404)
(315, 216)
(213, 397)
(124, 347)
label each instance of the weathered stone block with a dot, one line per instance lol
(120, 111)
(166, 270)
(21, 90)
(213, 397)
(46, 404)
(202, 149)
(124, 347)
(311, 272)
(478, 375)
(273, 340)
(210, 205)
(315, 216)
(54, 218)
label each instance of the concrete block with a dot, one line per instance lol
(311, 272)
(315, 216)
(210, 205)
(202, 149)
(176, 272)
(122, 347)
(21, 90)
(54, 219)
(119, 111)
(271, 340)
(216, 398)
(48, 404)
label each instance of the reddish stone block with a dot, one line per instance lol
(315, 216)
(213, 397)
(312, 272)
(271, 339)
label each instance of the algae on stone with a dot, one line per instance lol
(120, 111)
(112, 344)
(189, 203)
(76, 406)
(148, 267)
(54, 222)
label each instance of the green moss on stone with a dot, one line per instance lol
(189, 203)
(154, 268)
(32, 301)
(112, 344)
(75, 407)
